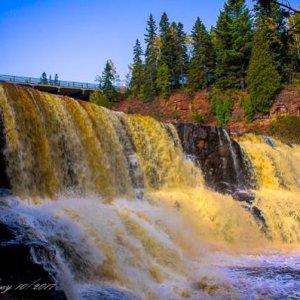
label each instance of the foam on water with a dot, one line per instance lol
(128, 216)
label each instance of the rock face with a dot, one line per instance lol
(224, 165)
(4, 181)
(22, 273)
(287, 101)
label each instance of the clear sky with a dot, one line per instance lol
(74, 38)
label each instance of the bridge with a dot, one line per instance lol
(77, 90)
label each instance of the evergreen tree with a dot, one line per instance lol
(276, 31)
(202, 62)
(107, 81)
(173, 49)
(263, 79)
(151, 58)
(137, 83)
(50, 79)
(163, 80)
(294, 44)
(232, 41)
(43, 78)
(165, 35)
(182, 52)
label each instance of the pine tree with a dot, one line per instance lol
(276, 31)
(43, 78)
(182, 52)
(263, 79)
(202, 62)
(232, 41)
(137, 83)
(151, 58)
(107, 81)
(165, 35)
(163, 80)
(294, 44)
(173, 50)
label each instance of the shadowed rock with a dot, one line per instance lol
(4, 180)
(22, 276)
(223, 163)
(243, 195)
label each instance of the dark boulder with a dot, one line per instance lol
(26, 267)
(224, 165)
(259, 216)
(243, 195)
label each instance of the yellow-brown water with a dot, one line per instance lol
(78, 163)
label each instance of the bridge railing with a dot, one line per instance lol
(41, 81)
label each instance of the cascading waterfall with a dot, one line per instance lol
(233, 155)
(123, 208)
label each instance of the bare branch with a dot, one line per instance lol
(287, 7)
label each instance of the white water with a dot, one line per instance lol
(81, 245)
(180, 240)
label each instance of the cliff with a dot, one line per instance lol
(196, 108)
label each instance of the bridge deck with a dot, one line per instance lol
(78, 90)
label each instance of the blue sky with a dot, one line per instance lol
(74, 38)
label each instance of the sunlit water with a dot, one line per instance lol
(82, 246)
(130, 218)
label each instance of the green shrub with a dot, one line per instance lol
(286, 128)
(197, 118)
(100, 99)
(222, 109)
(247, 107)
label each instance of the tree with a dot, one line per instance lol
(165, 39)
(182, 52)
(263, 79)
(277, 33)
(151, 58)
(177, 53)
(98, 97)
(202, 62)
(266, 4)
(137, 83)
(43, 78)
(232, 42)
(294, 45)
(222, 109)
(108, 80)
(173, 50)
(163, 80)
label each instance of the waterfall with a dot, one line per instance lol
(123, 210)
(233, 155)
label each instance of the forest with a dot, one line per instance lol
(256, 50)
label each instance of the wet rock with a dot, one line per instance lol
(269, 141)
(243, 195)
(259, 215)
(22, 276)
(6, 233)
(5, 192)
(26, 265)
(4, 180)
(221, 159)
